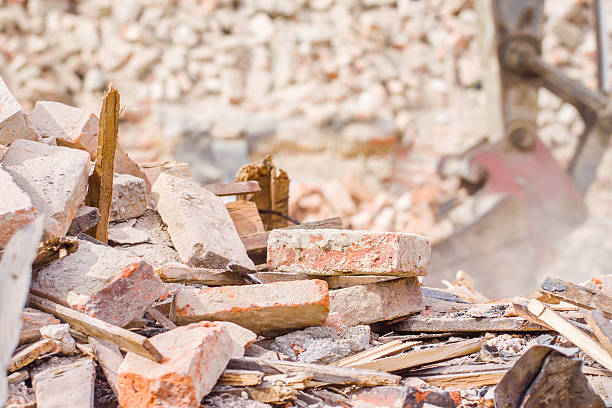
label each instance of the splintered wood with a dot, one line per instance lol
(273, 199)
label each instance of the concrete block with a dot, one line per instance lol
(343, 252)
(200, 226)
(16, 209)
(130, 197)
(194, 358)
(103, 282)
(54, 177)
(14, 123)
(268, 309)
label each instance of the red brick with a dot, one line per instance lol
(269, 309)
(194, 358)
(342, 252)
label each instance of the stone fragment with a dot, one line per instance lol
(130, 197)
(34, 319)
(241, 337)
(69, 126)
(194, 358)
(229, 400)
(200, 226)
(84, 219)
(125, 165)
(176, 272)
(343, 252)
(60, 333)
(54, 177)
(66, 384)
(376, 302)
(103, 282)
(14, 123)
(404, 397)
(268, 309)
(16, 209)
(125, 233)
(323, 345)
(341, 281)
(15, 272)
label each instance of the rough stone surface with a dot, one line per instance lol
(54, 177)
(268, 309)
(65, 384)
(14, 123)
(375, 302)
(400, 397)
(15, 271)
(125, 233)
(241, 337)
(338, 252)
(69, 126)
(60, 333)
(84, 219)
(194, 358)
(323, 345)
(200, 226)
(16, 209)
(130, 197)
(106, 283)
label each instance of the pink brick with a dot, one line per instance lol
(103, 282)
(342, 252)
(16, 209)
(194, 358)
(268, 309)
(14, 123)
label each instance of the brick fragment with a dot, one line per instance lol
(200, 226)
(14, 123)
(375, 302)
(55, 179)
(269, 309)
(130, 197)
(241, 337)
(103, 282)
(69, 126)
(404, 397)
(16, 209)
(343, 252)
(194, 358)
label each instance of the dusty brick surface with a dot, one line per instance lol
(200, 226)
(55, 179)
(124, 164)
(69, 126)
(14, 123)
(16, 209)
(241, 337)
(375, 302)
(103, 282)
(194, 358)
(343, 252)
(268, 309)
(130, 197)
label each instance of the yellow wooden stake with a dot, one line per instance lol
(101, 181)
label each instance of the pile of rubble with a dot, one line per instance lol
(194, 301)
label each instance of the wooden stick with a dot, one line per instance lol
(30, 353)
(384, 350)
(422, 357)
(602, 328)
(570, 332)
(101, 181)
(240, 377)
(228, 189)
(97, 328)
(427, 324)
(161, 318)
(577, 295)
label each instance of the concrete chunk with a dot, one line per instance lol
(343, 252)
(103, 282)
(200, 226)
(375, 302)
(241, 337)
(194, 358)
(54, 177)
(69, 126)
(268, 309)
(66, 384)
(14, 123)
(130, 197)
(16, 209)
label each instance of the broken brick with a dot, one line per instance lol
(130, 197)
(14, 123)
(16, 209)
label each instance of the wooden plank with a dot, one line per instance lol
(240, 377)
(257, 244)
(422, 357)
(54, 249)
(31, 352)
(238, 187)
(18, 376)
(570, 332)
(100, 192)
(577, 295)
(109, 357)
(384, 350)
(67, 384)
(97, 328)
(154, 169)
(427, 324)
(245, 216)
(602, 328)
(161, 318)
(320, 373)
(465, 380)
